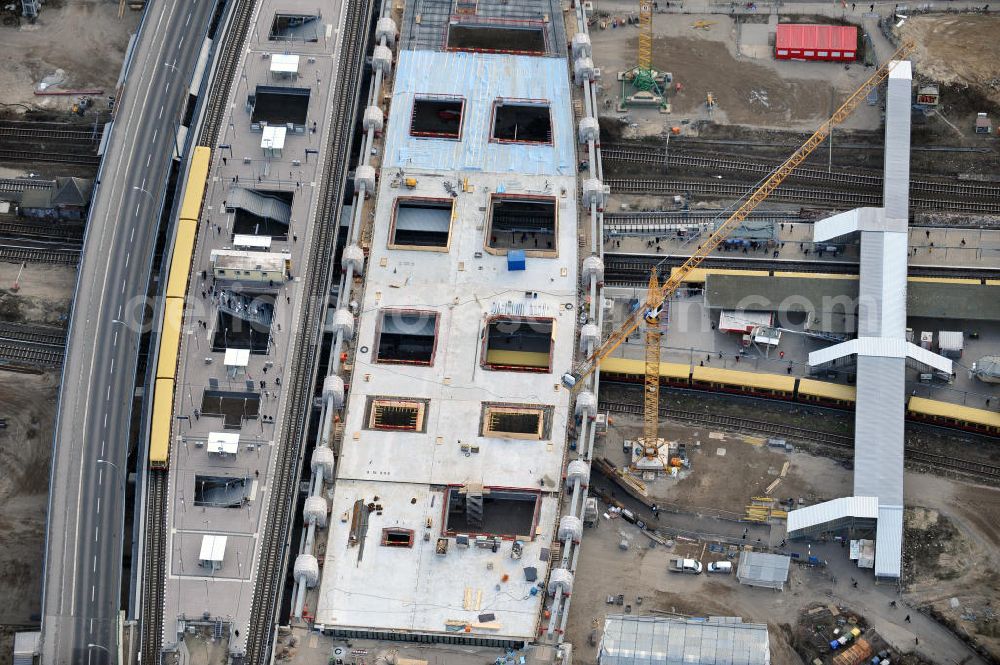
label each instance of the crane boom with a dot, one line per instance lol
(656, 297)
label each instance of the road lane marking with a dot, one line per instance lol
(109, 393)
(180, 43)
(161, 111)
(119, 311)
(149, 158)
(127, 255)
(155, 132)
(131, 235)
(103, 441)
(123, 286)
(98, 505)
(92, 588)
(95, 534)
(105, 421)
(137, 209)
(188, 19)
(112, 370)
(157, 44)
(116, 339)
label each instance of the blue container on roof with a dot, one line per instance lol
(515, 259)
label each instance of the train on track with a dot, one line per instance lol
(795, 389)
(173, 308)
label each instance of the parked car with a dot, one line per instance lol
(689, 566)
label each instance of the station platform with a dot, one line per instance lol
(692, 337)
(932, 247)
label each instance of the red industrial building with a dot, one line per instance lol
(816, 42)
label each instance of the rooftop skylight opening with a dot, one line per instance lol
(406, 337)
(527, 223)
(437, 117)
(518, 344)
(522, 122)
(421, 224)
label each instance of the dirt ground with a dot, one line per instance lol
(952, 557)
(959, 49)
(27, 401)
(717, 455)
(65, 29)
(950, 527)
(797, 95)
(44, 297)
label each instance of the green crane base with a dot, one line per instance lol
(643, 87)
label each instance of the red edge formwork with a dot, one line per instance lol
(796, 41)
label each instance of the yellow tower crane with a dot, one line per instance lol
(645, 39)
(659, 293)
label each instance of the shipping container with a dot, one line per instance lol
(835, 43)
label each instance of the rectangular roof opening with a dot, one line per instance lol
(515, 421)
(278, 106)
(399, 415)
(437, 117)
(522, 223)
(494, 512)
(243, 321)
(233, 407)
(260, 212)
(519, 344)
(497, 38)
(522, 121)
(220, 491)
(295, 27)
(421, 224)
(406, 337)
(392, 537)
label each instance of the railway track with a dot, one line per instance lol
(780, 145)
(822, 197)
(24, 184)
(54, 232)
(33, 134)
(841, 441)
(54, 157)
(151, 630)
(154, 571)
(634, 268)
(55, 255)
(29, 353)
(43, 336)
(646, 156)
(275, 540)
(722, 420)
(228, 57)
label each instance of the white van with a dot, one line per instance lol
(721, 567)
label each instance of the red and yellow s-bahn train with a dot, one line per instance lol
(796, 389)
(173, 309)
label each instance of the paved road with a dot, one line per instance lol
(86, 505)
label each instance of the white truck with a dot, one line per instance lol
(689, 566)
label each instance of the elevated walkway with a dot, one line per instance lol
(881, 347)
